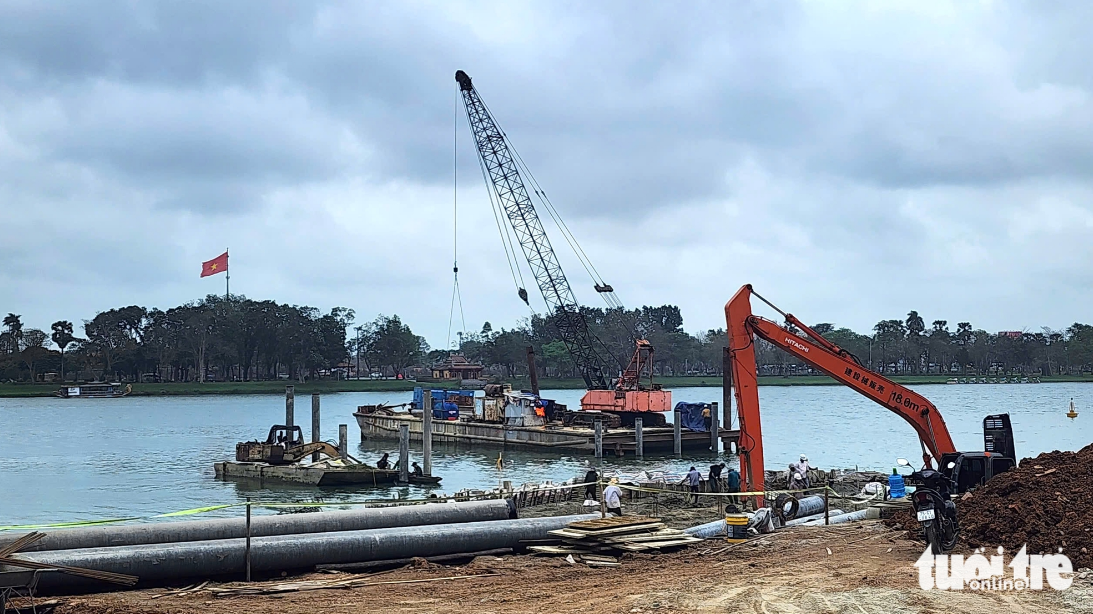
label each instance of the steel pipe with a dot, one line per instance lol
(157, 563)
(805, 506)
(278, 524)
(804, 519)
(841, 518)
(708, 530)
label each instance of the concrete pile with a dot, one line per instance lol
(161, 553)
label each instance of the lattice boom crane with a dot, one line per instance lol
(502, 165)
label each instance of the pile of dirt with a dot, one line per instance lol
(1046, 503)
(904, 520)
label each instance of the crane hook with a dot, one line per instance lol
(524, 296)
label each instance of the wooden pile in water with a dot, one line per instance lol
(598, 542)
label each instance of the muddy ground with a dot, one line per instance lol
(863, 568)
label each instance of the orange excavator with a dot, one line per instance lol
(966, 469)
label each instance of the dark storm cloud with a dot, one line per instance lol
(809, 136)
(615, 109)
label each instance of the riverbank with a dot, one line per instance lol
(16, 390)
(857, 567)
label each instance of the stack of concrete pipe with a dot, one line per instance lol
(169, 551)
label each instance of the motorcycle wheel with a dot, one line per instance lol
(933, 538)
(952, 534)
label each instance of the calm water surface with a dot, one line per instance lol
(78, 459)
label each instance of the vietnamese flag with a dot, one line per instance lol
(214, 266)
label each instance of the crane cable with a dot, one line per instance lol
(502, 229)
(456, 296)
(507, 240)
(571, 239)
(610, 298)
(497, 208)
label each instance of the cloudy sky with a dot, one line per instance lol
(853, 161)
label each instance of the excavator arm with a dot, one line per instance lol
(743, 327)
(297, 453)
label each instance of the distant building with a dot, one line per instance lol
(1012, 334)
(456, 366)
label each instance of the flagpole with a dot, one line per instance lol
(227, 277)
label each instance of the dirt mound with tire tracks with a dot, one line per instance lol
(1046, 503)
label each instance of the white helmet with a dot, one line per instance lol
(804, 458)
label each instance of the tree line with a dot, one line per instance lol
(216, 338)
(239, 339)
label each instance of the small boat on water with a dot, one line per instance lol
(424, 480)
(95, 390)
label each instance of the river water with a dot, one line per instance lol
(82, 459)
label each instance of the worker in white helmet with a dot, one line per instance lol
(802, 468)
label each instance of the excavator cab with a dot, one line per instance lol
(969, 470)
(272, 450)
(287, 437)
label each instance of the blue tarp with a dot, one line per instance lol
(690, 415)
(444, 402)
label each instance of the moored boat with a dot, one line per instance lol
(95, 390)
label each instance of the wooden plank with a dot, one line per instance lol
(614, 521)
(646, 528)
(569, 533)
(599, 557)
(661, 544)
(655, 537)
(558, 550)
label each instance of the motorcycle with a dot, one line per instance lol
(934, 507)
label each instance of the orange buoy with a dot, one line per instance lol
(1073, 413)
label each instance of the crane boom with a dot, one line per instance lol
(743, 327)
(508, 185)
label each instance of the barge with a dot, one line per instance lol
(512, 422)
(315, 474)
(283, 455)
(95, 390)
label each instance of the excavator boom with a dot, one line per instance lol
(743, 327)
(298, 453)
